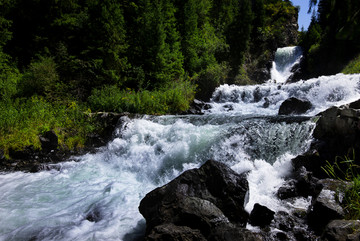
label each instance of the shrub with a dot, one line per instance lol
(40, 78)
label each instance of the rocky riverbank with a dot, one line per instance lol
(34, 160)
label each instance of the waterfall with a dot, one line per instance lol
(285, 59)
(266, 99)
(96, 196)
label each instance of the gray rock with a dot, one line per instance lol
(327, 205)
(342, 230)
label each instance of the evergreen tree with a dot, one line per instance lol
(238, 35)
(156, 45)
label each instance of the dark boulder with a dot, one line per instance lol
(200, 199)
(49, 141)
(294, 106)
(338, 129)
(312, 161)
(169, 231)
(261, 216)
(342, 230)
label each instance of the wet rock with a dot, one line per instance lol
(94, 215)
(303, 184)
(342, 230)
(201, 199)
(228, 107)
(49, 141)
(312, 161)
(306, 184)
(327, 205)
(294, 106)
(288, 190)
(231, 233)
(170, 231)
(284, 221)
(261, 216)
(266, 103)
(297, 71)
(196, 107)
(355, 105)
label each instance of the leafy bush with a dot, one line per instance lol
(173, 98)
(40, 78)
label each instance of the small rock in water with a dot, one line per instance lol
(294, 106)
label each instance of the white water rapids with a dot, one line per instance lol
(150, 151)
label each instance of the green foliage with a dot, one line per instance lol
(335, 29)
(22, 121)
(40, 78)
(9, 77)
(353, 66)
(174, 98)
(345, 168)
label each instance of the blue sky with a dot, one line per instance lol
(304, 17)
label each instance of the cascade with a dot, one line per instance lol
(96, 196)
(285, 59)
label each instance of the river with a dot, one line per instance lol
(96, 196)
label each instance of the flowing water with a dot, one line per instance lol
(96, 196)
(285, 59)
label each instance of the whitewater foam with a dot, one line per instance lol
(265, 99)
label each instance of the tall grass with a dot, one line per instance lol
(23, 120)
(173, 98)
(345, 169)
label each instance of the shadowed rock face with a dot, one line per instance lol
(208, 199)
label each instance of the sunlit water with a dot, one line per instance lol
(150, 151)
(285, 59)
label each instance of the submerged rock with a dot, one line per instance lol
(199, 199)
(294, 106)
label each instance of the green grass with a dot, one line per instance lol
(346, 169)
(174, 98)
(23, 120)
(353, 66)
